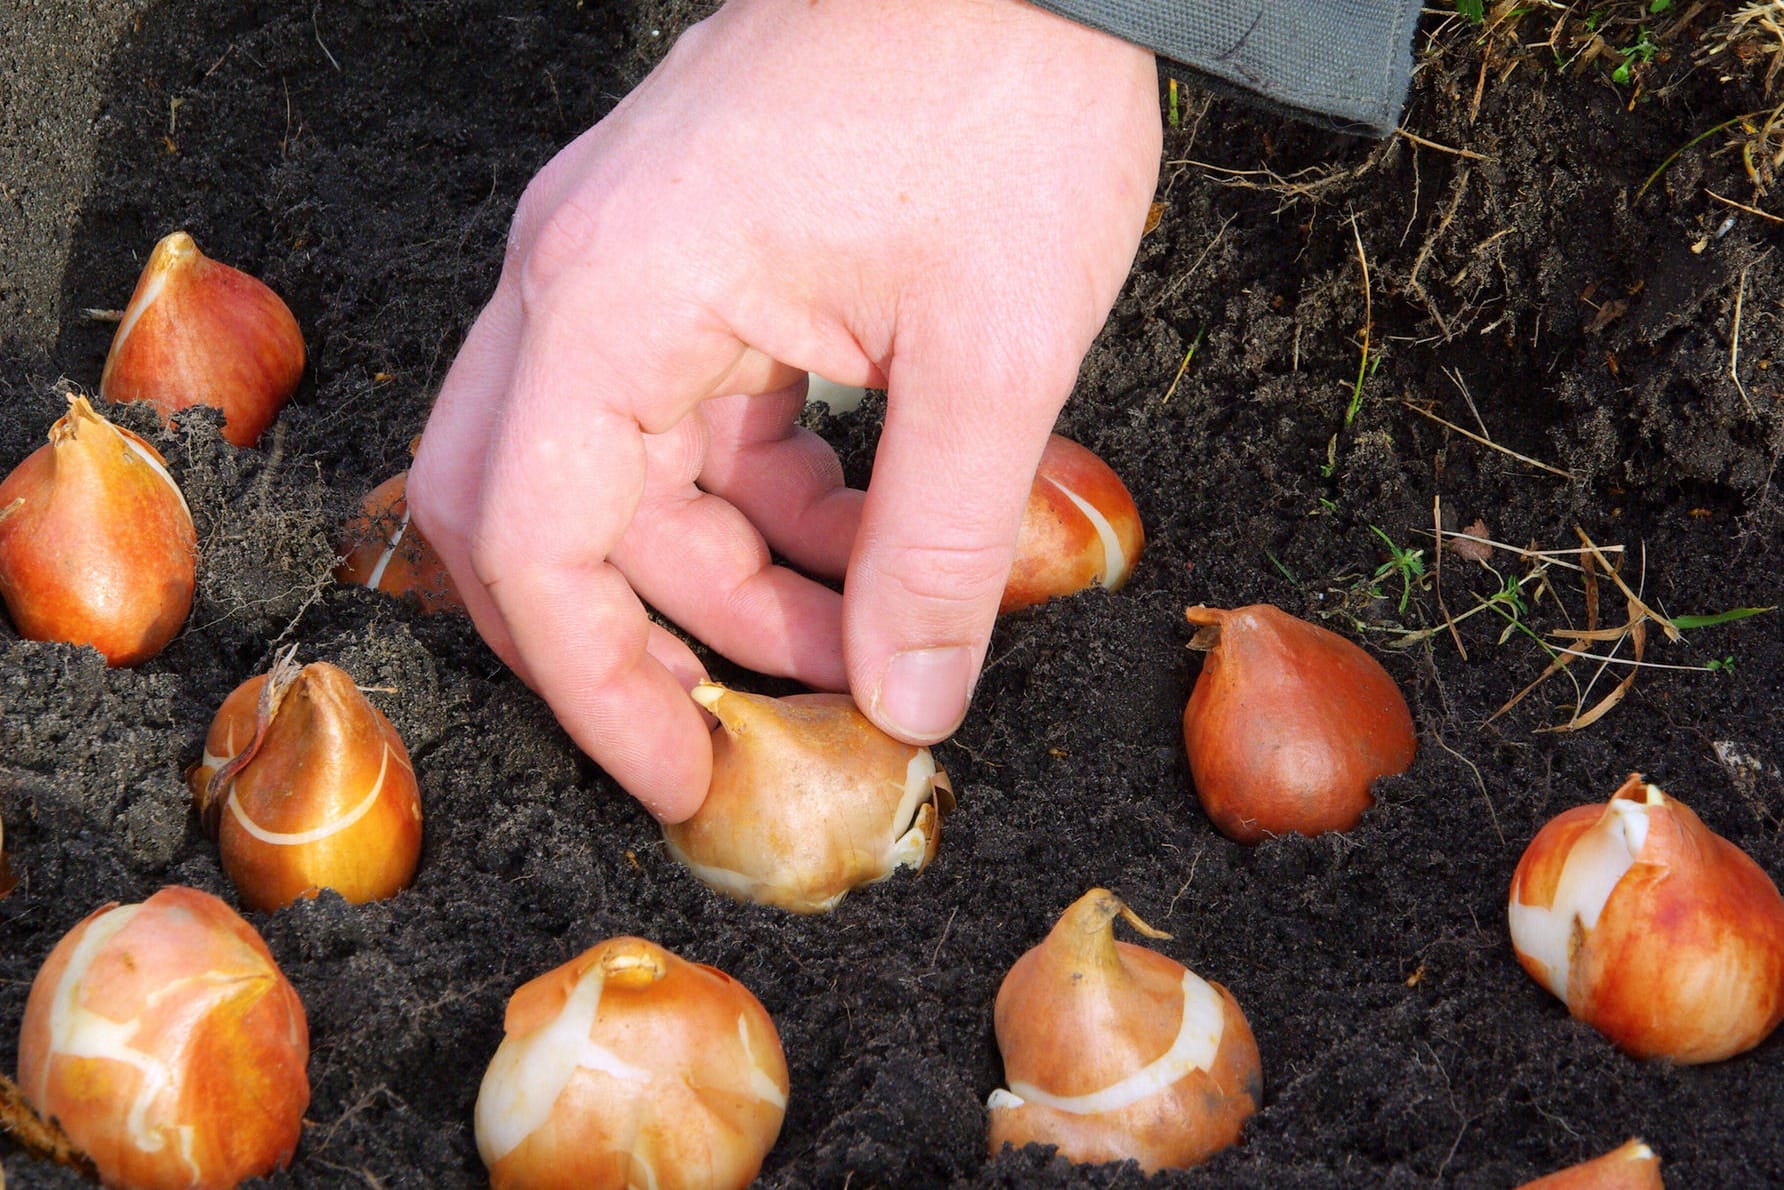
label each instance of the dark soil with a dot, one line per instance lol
(365, 157)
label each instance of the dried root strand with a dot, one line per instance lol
(43, 1139)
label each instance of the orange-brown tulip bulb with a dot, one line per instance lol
(808, 800)
(97, 545)
(1288, 725)
(169, 1046)
(631, 1067)
(384, 550)
(1651, 928)
(1630, 1166)
(307, 786)
(1113, 1051)
(198, 332)
(1080, 529)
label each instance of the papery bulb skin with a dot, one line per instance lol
(1650, 927)
(808, 800)
(1079, 530)
(382, 549)
(167, 1043)
(631, 1067)
(1631, 1166)
(323, 796)
(1114, 1052)
(1288, 725)
(97, 546)
(198, 332)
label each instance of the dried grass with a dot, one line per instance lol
(1749, 38)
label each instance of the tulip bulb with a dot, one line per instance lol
(1651, 928)
(1631, 1166)
(307, 786)
(168, 1045)
(631, 1067)
(1115, 1052)
(97, 545)
(1080, 529)
(1288, 725)
(808, 800)
(197, 332)
(383, 550)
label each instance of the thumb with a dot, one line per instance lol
(966, 423)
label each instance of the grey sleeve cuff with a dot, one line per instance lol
(1345, 63)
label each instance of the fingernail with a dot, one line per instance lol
(923, 693)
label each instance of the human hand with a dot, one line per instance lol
(941, 199)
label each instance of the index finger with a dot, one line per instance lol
(563, 474)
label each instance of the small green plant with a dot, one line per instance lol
(1473, 11)
(1516, 597)
(1282, 569)
(1367, 361)
(1329, 468)
(1366, 368)
(1642, 51)
(1656, 7)
(1408, 564)
(1509, 603)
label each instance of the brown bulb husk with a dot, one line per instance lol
(1650, 927)
(1630, 1166)
(306, 786)
(383, 550)
(198, 332)
(808, 800)
(629, 1067)
(97, 546)
(1288, 725)
(1080, 529)
(1115, 1052)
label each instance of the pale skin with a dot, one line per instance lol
(941, 199)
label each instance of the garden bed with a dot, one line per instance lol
(1613, 337)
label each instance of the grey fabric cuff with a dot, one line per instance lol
(1345, 63)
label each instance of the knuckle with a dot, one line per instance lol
(545, 244)
(491, 557)
(674, 457)
(945, 576)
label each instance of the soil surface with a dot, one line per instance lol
(364, 158)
